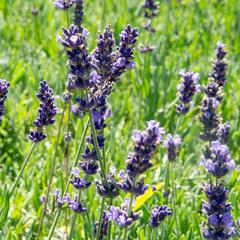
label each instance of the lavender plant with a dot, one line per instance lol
(216, 157)
(94, 75)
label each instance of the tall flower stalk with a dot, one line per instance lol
(216, 158)
(187, 88)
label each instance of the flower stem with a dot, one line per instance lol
(95, 140)
(51, 174)
(22, 169)
(100, 220)
(174, 201)
(69, 179)
(109, 223)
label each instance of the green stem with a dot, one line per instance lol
(93, 130)
(54, 223)
(174, 201)
(51, 174)
(100, 220)
(109, 223)
(22, 169)
(67, 144)
(178, 124)
(166, 180)
(69, 179)
(74, 220)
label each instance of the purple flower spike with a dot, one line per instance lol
(46, 112)
(187, 87)
(4, 85)
(75, 43)
(145, 143)
(124, 56)
(218, 74)
(220, 221)
(159, 213)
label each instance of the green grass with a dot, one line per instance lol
(187, 32)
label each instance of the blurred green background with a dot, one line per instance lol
(187, 33)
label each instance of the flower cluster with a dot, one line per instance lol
(171, 144)
(138, 161)
(46, 112)
(187, 87)
(158, 215)
(109, 191)
(220, 222)
(151, 8)
(63, 4)
(121, 216)
(4, 85)
(218, 161)
(75, 204)
(209, 118)
(77, 181)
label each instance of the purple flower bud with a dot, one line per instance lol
(187, 87)
(120, 216)
(159, 213)
(171, 144)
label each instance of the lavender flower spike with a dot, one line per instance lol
(124, 56)
(171, 144)
(187, 87)
(46, 112)
(145, 144)
(4, 85)
(218, 74)
(220, 222)
(159, 213)
(63, 4)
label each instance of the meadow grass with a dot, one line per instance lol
(187, 32)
